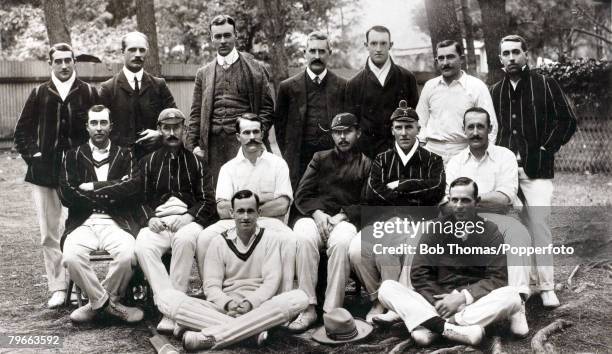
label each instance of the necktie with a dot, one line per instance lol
(317, 80)
(136, 87)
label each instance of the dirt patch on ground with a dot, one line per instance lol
(588, 305)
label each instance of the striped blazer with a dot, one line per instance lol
(535, 120)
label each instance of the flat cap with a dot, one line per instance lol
(343, 121)
(403, 113)
(170, 116)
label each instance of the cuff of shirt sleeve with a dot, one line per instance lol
(468, 297)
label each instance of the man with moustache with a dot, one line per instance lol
(178, 203)
(305, 106)
(242, 276)
(328, 200)
(53, 121)
(265, 174)
(374, 92)
(232, 84)
(406, 175)
(535, 120)
(100, 217)
(445, 98)
(135, 98)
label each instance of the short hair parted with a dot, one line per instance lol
(98, 108)
(514, 38)
(62, 47)
(378, 28)
(464, 181)
(248, 116)
(318, 35)
(132, 34)
(477, 110)
(447, 43)
(221, 20)
(245, 194)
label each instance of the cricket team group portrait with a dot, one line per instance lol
(308, 211)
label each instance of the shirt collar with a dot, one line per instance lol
(100, 150)
(240, 156)
(313, 75)
(379, 71)
(406, 157)
(228, 59)
(489, 153)
(462, 80)
(232, 235)
(130, 75)
(65, 85)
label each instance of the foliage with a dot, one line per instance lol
(585, 81)
(23, 33)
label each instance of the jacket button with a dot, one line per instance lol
(513, 116)
(514, 131)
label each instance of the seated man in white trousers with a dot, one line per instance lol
(242, 275)
(495, 170)
(264, 173)
(99, 218)
(328, 200)
(456, 294)
(178, 203)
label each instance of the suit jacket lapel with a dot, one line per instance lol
(145, 83)
(330, 95)
(209, 90)
(86, 158)
(113, 154)
(249, 75)
(123, 83)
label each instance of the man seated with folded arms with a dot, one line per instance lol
(265, 174)
(456, 294)
(243, 273)
(99, 185)
(495, 170)
(328, 199)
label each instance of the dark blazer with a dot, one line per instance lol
(116, 94)
(43, 120)
(534, 116)
(118, 196)
(200, 118)
(290, 115)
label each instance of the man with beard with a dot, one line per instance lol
(100, 218)
(455, 295)
(232, 84)
(135, 98)
(53, 121)
(535, 120)
(305, 106)
(265, 174)
(328, 198)
(406, 175)
(374, 92)
(243, 272)
(445, 98)
(178, 202)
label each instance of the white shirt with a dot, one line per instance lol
(312, 75)
(228, 59)
(102, 176)
(497, 171)
(441, 108)
(406, 157)
(269, 174)
(130, 77)
(63, 87)
(380, 73)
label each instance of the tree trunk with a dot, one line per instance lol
(469, 38)
(494, 27)
(275, 28)
(55, 21)
(145, 16)
(442, 21)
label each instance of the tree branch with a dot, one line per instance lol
(592, 34)
(592, 19)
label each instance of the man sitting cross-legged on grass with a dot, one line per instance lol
(242, 274)
(98, 184)
(456, 294)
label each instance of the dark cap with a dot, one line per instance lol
(403, 113)
(343, 121)
(170, 116)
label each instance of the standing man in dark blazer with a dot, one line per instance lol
(99, 184)
(135, 98)
(535, 120)
(232, 84)
(374, 92)
(53, 121)
(306, 104)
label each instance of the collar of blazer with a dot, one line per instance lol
(85, 153)
(75, 87)
(144, 84)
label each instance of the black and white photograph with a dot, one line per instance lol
(327, 176)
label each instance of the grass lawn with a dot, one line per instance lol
(583, 221)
